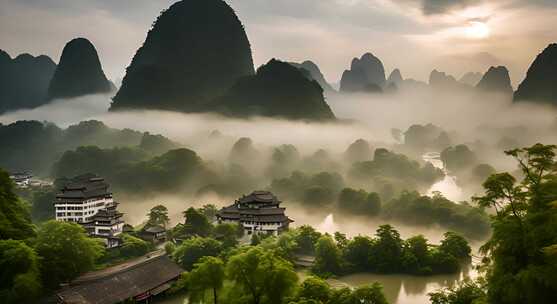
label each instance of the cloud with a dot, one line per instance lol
(433, 7)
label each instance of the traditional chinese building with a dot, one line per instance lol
(259, 212)
(85, 199)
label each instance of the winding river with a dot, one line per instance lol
(399, 289)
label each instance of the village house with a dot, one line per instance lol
(259, 212)
(21, 179)
(85, 199)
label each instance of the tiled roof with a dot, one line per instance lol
(123, 285)
(84, 186)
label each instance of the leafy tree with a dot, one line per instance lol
(455, 245)
(263, 275)
(158, 216)
(341, 240)
(20, 279)
(66, 251)
(466, 292)
(387, 251)
(416, 255)
(209, 210)
(191, 250)
(207, 274)
(228, 234)
(196, 223)
(15, 220)
(358, 253)
(369, 294)
(314, 288)
(521, 251)
(133, 247)
(327, 257)
(306, 237)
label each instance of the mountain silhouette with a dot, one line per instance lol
(195, 51)
(395, 77)
(278, 90)
(365, 75)
(314, 74)
(496, 79)
(24, 81)
(79, 72)
(540, 84)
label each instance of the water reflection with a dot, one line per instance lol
(404, 289)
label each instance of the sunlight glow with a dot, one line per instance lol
(477, 30)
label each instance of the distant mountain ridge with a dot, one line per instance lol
(24, 81)
(366, 74)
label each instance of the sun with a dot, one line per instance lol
(477, 30)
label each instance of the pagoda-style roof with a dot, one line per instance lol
(259, 206)
(259, 197)
(84, 187)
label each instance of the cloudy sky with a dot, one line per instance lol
(455, 36)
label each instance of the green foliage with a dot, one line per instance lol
(416, 209)
(191, 250)
(20, 280)
(228, 234)
(196, 223)
(42, 206)
(210, 211)
(263, 275)
(395, 169)
(387, 249)
(15, 220)
(134, 247)
(158, 216)
(207, 274)
(455, 245)
(314, 288)
(328, 258)
(521, 264)
(359, 202)
(466, 292)
(306, 237)
(66, 251)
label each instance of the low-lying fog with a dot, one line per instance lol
(470, 117)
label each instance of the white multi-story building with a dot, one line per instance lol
(258, 212)
(85, 199)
